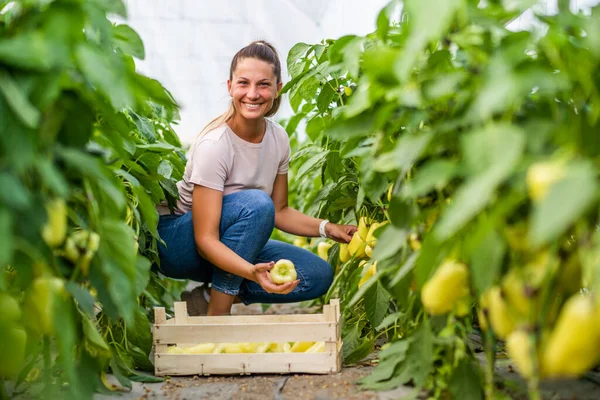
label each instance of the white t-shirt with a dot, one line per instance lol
(221, 160)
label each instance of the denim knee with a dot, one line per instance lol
(259, 204)
(322, 278)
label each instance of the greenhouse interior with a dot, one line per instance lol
(287, 199)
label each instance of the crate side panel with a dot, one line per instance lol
(223, 364)
(217, 333)
(256, 319)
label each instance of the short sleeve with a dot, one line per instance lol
(209, 164)
(284, 164)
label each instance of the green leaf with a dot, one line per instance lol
(82, 163)
(325, 97)
(389, 359)
(496, 147)
(111, 6)
(495, 151)
(566, 201)
(128, 41)
(106, 72)
(392, 240)
(6, 237)
(29, 50)
(312, 163)
(428, 20)
(377, 302)
(314, 127)
(466, 382)
(435, 174)
(295, 53)
(468, 201)
(13, 194)
(292, 123)
(389, 320)
(361, 351)
(409, 149)
(165, 169)
(52, 177)
(18, 101)
(487, 253)
(82, 296)
(142, 274)
(146, 378)
(91, 333)
(361, 125)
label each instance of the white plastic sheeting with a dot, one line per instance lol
(189, 43)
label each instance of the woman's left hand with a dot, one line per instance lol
(340, 233)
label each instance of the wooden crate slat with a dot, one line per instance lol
(192, 364)
(254, 319)
(236, 333)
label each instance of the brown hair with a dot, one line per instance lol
(260, 50)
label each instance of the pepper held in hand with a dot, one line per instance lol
(283, 272)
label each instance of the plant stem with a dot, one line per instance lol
(47, 363)
(533, 388)
(490, 355)
(3, 393)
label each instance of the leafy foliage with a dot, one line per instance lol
(457, 112)
(80, 127)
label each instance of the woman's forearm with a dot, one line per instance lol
(223, 257)
(296, 223)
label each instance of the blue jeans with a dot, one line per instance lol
(247, 220)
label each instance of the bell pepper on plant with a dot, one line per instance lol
(541, 176)
(368, 271)
(356, 247)
(449, 283)
(498, 313)
(10, 310)
(41, 301)
(13, 340)
(54, 230)
(520, 349)
(363, 228)
(572, 347)
(323, 249)
(344, 254)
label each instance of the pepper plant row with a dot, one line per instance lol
(486, 141)
(86, 152)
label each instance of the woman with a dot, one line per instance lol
(234, 191)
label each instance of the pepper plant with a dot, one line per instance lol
(87, 150)
(486, 141)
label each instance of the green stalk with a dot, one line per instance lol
(3, 393)
(490, 355)
(533, 383)
(47, 362)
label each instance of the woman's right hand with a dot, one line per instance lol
(261, 275)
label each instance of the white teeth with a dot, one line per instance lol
(252, 106)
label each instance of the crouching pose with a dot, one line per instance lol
(233, 193)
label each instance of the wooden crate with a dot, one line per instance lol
(183, 329)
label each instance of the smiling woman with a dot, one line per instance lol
(234, 192)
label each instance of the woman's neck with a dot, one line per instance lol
(250, 130)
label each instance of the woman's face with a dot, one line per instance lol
(253, 88)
